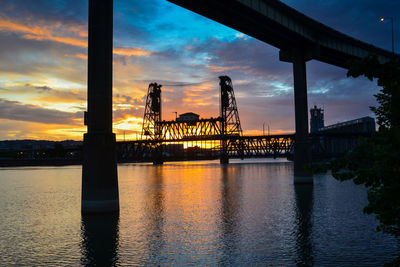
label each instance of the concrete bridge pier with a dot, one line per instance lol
(99, 170)
(158, 155)
(302, 145)
(224, 158)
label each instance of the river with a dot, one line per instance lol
(189, 213)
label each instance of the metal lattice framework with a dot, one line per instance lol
(324, 146)
(230, 125)
(224, 133)
(229, 112)
(238, 147)
(193, 130)
(260, 146)
(152, 113)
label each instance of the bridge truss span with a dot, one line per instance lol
(190, 130)
(260, 146)
(189, 137)
(208, 147)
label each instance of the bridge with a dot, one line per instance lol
(298, 38)
(190, 137)
(221, 137)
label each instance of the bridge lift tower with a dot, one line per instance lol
(155, 130)
(151, 122)
(230, 116)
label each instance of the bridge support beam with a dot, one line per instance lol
(99, 170)
(302, 146)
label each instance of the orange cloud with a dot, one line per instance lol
(56, 32)
(195, 101)
(81, 56)
(35, 130)
(6, 25)
(41, 31)
(64, 40)
(131, 51)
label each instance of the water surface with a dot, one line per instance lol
(197, 213)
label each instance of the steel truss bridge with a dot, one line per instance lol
(271, 146)
(207, 147)
(213, 138)
(192, 138)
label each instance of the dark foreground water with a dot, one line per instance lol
(189, 214)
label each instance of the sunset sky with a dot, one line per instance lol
(43, 63)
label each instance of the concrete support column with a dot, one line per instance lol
(224, 158)
(302, 146)
(302, 149)
(158, 154)
(99, 170)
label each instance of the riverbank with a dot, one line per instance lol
(38, 162)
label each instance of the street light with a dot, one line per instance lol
(391, 19)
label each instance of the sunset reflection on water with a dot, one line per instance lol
(197, 213)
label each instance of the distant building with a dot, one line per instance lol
(317, 119)
(361, 125)
(188, 117)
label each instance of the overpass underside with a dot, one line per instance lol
(283, 27)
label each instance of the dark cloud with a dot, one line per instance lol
(69, 11)
(14, 110)
(172, 83)
(126, 99)
(126, 113)
(43, 88)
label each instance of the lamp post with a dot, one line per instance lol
(391, 19)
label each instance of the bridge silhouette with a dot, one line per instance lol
(222, 135)
(190, 137)
(298, 38)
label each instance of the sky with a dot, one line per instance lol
(43, 66)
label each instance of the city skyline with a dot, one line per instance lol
(44, 61)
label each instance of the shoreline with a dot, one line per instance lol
(5, 163)
(38, 162)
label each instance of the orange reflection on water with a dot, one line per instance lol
(192, 202)
(177, 204)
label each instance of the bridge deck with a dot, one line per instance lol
(323, 146)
